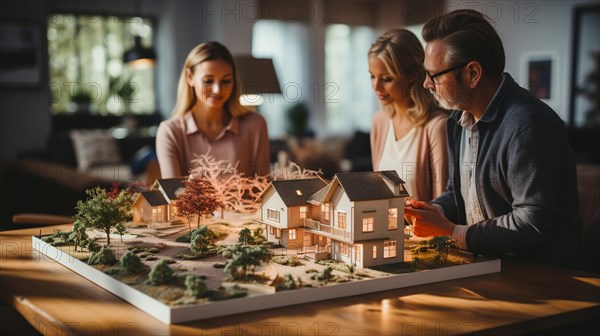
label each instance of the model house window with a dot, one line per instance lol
(292, 234)
(303, 212)
(273, 215)
(358, 252)
(389, 249)
(344, 249)
(341, 219)
(368, 224)
(85, 54)
(325, 211)
(393, 219)
(157, 214)
(275, 232)
(374, 252)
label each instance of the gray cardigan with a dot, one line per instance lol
(525, 179)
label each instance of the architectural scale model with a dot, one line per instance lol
(310, 240)
(357, 218)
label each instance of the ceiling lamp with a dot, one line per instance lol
(139, 57)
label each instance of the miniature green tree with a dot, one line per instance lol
(245, 237)
(325, 276)
(442, 244)
(242, 258)
(105, 256)
(198, 199)
(202, 239)
(195, 286)
(103, 212)
(288, 283)
(120, 228)
(92, 246)
(132, 263)
(79, 235)
(258, 237)
(160, 273)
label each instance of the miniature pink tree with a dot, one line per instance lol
(198, 199)
(247, 191)
(233, 190)
(294, 172)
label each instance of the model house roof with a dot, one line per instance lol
(391, 175)
(319, 196)
(296, 192)
(154, 197)
(367, 186)
(170, 186)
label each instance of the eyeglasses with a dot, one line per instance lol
(432, 77)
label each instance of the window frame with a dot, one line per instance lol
(109, 14)
(390, 249)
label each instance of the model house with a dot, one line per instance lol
(357, 218)
(157, 205)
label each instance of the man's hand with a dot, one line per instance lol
(427, 219)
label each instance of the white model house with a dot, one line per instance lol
(357, 218)
(157, 205)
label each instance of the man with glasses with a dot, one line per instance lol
(512, 187)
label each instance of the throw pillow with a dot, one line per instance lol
(95, 147)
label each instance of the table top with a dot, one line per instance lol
(523, 297)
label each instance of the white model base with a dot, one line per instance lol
(168, 314)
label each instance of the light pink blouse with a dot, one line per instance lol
(432, 155)
(244, 141)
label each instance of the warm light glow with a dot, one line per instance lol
(251, 100)
(142, 63)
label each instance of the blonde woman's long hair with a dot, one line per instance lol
(403, 55)
(208, 51)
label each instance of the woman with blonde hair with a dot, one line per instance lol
(408, 134)
(208, 118)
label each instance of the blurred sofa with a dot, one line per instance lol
(51, 181)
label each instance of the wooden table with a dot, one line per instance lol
(522, 298)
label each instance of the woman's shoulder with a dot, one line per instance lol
(437, 118)
(381, 118)
(174, 120)
(252, 118)
(173, 124)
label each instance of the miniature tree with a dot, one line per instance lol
(223, 176)
(202, 239)
(197, 199)
(160, 273)
(248, 189)
(79, 235)
(293, 172)
(120, 228)
(195, 286)
(288, 283)
(93, 246)
(245, 237)
(244, 258)
(442, 244)
(325, 276)
(103, 212)
(132, 263)
(233, 190)
(258, 237)
(105, 256)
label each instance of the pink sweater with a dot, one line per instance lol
(432, 155)
(244, 141)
